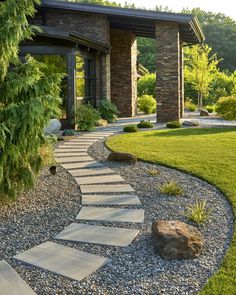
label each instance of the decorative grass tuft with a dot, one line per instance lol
(198, 212)
(171, 188)
(153, 171)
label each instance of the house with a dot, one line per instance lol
(99, 47)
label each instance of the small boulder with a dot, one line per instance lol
(176, 240)
(204, 112)
(122, 157)
(53, 127)
(190, 123)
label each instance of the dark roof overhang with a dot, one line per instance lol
(141, 22)
(74, 37)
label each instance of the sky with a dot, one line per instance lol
(227, 7)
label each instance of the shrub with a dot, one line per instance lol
(130, 128)
(101, 123)
(68, 132)
(226, 107)
(174, 124)
(147, 104)
(108, 110)
(147, 85)
(171, 188)
(198, 212)
(86, 117)
(46, 151)
(153, 171)
(145, 124)
(210, 109)
(190, 106)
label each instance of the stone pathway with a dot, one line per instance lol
(101, 190)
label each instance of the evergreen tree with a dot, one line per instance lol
(28, 99)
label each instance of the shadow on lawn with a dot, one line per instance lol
(191, 132)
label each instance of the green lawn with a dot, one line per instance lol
(208, 153)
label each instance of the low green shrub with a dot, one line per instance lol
(86, 117)
(153, 172)
(198, 212)
(130, 128)
(108, 110)
(226, 107)
(174, 124)
(145, 124)
(210, 109)
(147, 104)
(190, 106)
(171, 188)
(68, 132)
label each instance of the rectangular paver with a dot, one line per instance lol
(74, 154)
(82, 165)
(62, 260)
(94, 234)
(82, 139)
(110, 200)
(91, 171)
(11, 283)
(73, 159)
(106, 188)
(70, 150)
(99, 179)
(74, 144)
(111, 214)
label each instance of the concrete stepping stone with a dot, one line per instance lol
(62, 260)
(82, 165)
(70, 150)
(11, 283)
(112, 188)
(99, 179)
(91, 171)
(110, 200)
(74, 154)
(77, 144)
(103, 235)
(73, 159)
(82, 139)
(111, 214)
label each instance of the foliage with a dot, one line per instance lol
(46, 151)
(153, 171)
(130, 128)
(198, 212)
(200, 69)
(68, 132)
(174, 124)
(210, 109)
(145, 124)
(191, 150)
(147, 104)
(226, 107)
(147, 53)
(190, 106)
(86, 117)
(101, 123)
(104, 2)
(147, 85)
(108, 110)
(171, 188)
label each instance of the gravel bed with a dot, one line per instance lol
(54, 203)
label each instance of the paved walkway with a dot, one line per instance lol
(101, 189)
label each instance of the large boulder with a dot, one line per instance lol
(122, 157)
(176, 240)
(204, 112)
(190, 123)
(53, 127)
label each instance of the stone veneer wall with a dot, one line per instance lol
(91, 26)
(124, 71)
(168, 71)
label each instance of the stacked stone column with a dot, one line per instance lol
(169, 72)
(124, 71)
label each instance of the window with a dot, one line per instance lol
(85, 80)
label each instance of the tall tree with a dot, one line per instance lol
(200, 69)
(28, 99)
